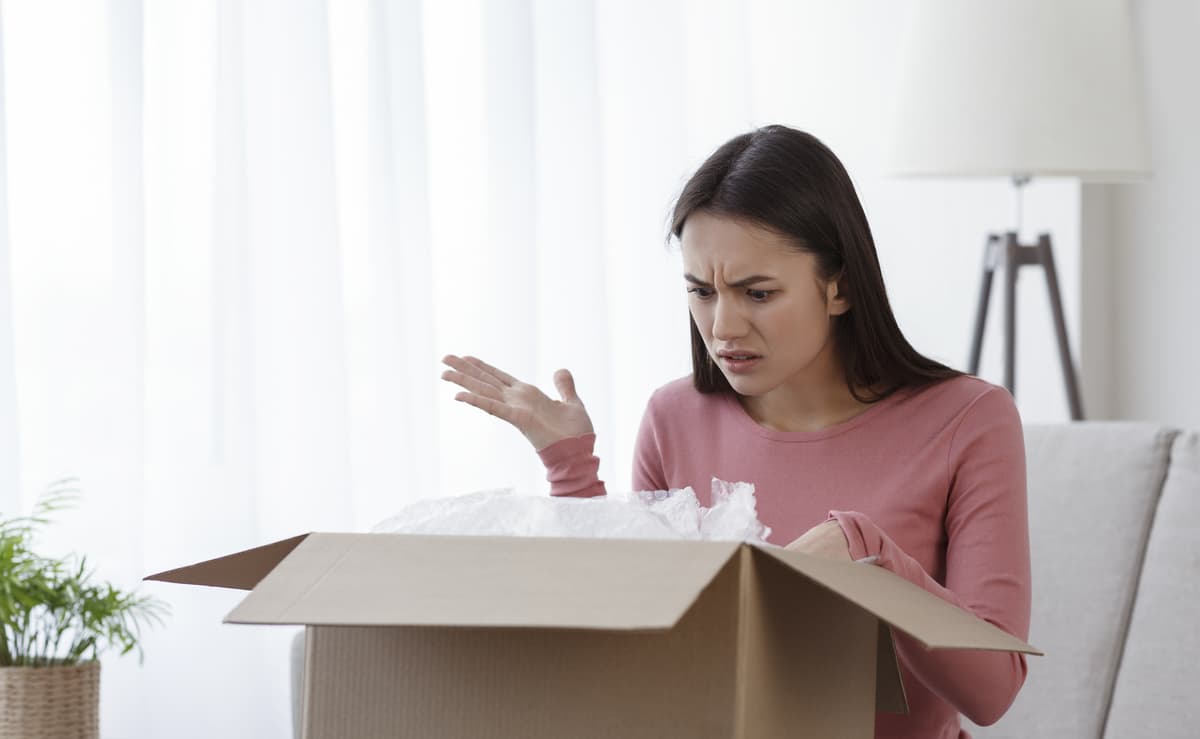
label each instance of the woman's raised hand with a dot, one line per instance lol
(541, 419)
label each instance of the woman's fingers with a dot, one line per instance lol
(474, 368)
(501, 375)
(496, 408)
(468, 369)
(470, 383)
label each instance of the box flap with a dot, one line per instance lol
(484, 581)
(243, 570)
(927, 618)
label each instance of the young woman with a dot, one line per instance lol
(859, 448)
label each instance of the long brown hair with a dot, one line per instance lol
(790, 183)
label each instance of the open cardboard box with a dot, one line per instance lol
(453, 637)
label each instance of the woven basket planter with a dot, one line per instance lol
(50, 702)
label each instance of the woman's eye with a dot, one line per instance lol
(758, 296)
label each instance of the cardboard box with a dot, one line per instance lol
(454, 636)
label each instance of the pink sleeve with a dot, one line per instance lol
(987, 560)
(572, 468)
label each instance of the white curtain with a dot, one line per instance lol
(238, 236)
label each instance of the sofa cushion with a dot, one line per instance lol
(1155, 693)
(1092, 493)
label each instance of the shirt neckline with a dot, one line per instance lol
(744, 420)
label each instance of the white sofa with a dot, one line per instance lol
(1114, 513)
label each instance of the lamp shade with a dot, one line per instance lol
(1020, 87)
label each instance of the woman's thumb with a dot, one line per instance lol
(565, 384)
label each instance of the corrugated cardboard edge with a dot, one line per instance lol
(242, 570)
(742, 651)
(306, 687)
(890, 696)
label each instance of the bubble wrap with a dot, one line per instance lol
(657, 514)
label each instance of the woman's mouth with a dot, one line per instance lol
(739, 363)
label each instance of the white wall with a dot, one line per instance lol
(1148, 326)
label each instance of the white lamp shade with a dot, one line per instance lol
(1020, 87)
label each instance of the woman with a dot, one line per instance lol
(859, 447)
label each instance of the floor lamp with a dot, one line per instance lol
(1019, 89)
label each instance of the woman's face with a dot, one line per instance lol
(750, 291)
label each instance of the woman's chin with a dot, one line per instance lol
(742, 384)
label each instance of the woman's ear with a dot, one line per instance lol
(836, 300)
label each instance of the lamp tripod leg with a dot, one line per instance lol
(1046, 256)
(1011, 264)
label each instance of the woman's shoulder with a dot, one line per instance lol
(960, 392)
(965, 403)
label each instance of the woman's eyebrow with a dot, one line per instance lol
(751, 280)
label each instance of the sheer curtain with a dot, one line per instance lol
(238, 235)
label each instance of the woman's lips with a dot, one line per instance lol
(739, 366)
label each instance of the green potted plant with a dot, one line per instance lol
(56, 623)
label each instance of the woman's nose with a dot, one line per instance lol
(727, 321)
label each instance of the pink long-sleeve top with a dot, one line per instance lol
(930, 482)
